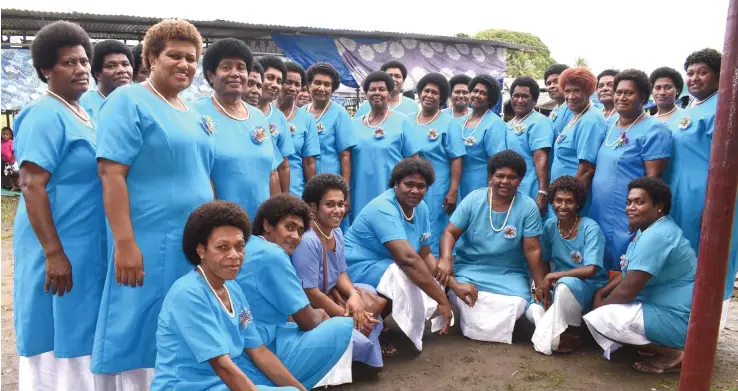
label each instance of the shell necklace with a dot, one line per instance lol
(696, 102)
(515, 121)
(509, 209)
(612, 112)
(568, 234)
(417, 118)
(366, 119)
(622, 135)
(151, 84)
(229, 114)
(327, 237)
(475, 128)
(310, 107)
(576, 118)
(669, 112)
(412, 215)
(232, 311)
(85, 118)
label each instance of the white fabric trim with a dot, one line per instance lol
(492, 318)
(341, 372)
(724, 314)
(534, 313)
(615, 325)
(133, 380)
(565, 311)
(45, 372)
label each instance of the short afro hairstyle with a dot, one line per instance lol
(459, 79)
(324, 68)
(434, 78)
(607, 72)
(378, 76)
(570, 184)
(555, 69)
(52, 37)
(670, 73)
(277, 208)
(225, 48)
(526, 81)
(158, 35)
(493, 88)
(578, 76)
(411, 166)
(205, 219)
(258, 69)
(657, 190)
(296, 68)
(137, 62)
(641, 80)
(317, 186)
(109, 46)
(395, 64)
(507, 158)
(273, 62)
(711, 57)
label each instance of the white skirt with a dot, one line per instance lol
(341, 372)
(565, 311)
(724, 314)
(615, 325)
(492, 318)
(44, 372)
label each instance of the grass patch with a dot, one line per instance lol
(7, 209)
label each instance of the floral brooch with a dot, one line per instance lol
(425, 236)
(273, 130)
(293, 130)
(433, 134)
(207, 124)
(519, 128)
(623, 262)
(553, 115)
(684, 123)
(245, 318)
(560, 138)
(378, 133)
(320, 127)
(576, 256)
(259, 135)
(622, 140)
(510, 232)
(469, 141)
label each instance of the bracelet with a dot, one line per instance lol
(355, 291)
(543, 192)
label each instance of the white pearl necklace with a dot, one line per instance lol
(670, 111)
(607, 144)
(513, 121)
(291, 112)
(327, 237)
(310, 107)
(101, 94)
(412, 215)
(85, 118)
(696, 102)
(151, 84)
(229, 114)
(463, 128)
(417, 118)
(232, 311)
(612, 112)
(509, 209)
(576, 118)
(366, 119)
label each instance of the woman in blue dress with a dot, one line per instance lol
(312, 343)
(495, 233)
(112, 67)
(246, 161)
(482, 132)
(155, 156)
(530, 134)
(666, 87)
(387, 247)
(560, 115)
(320, 262)
(397, 101)
(206, 329)
(648, 304)
(302, 128)
(459, 96)
(439, 137)
(605, 93)
(636, 145)
(383, 138)
(574, 246)
(59, 232)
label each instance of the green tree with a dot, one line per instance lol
(521, 63)
(581, 62)
(462, 35)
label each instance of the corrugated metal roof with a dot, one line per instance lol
(20, 22)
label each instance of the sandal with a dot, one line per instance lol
(645, 367)
(388, 348)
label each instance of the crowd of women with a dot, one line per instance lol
(251, 239)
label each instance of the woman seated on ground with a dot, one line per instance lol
(388, 248)
(499, 229)
(573, 245)
(205, 324)
(313, 343)
(320, 263)
(648, 305)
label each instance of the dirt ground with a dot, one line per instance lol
(453, 362)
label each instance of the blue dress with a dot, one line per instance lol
(482, 141)
(440, 142)
(406, 106)
(375, 155)
(336, 134)
(533, 134)
(271, 285)
(193, 328)
(494, 261)
(560, 116)
(380, 222)
(309, 264)
(579, 142)
(617, 165)
(49, 135)
(450, 112)
(663, 252)
(243, 164)
(91, 102)
(170, 155)
(304, 133)
(279, 131)
(585, 249)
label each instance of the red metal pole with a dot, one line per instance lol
(712, 266)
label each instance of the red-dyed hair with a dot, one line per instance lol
(578, 76)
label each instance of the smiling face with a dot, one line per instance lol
(287, 233)
(480, 97)
(116, 71)
(223, 254)
(522, 101)
(397, 78)
(272, 84)
(331, 210)
(576, 98)
(174, 68)
(605, 89)
(378, 95)
(430, 97)
(641, 210)
(460, 97)
(628, 101)
(504, 183)
(321, 88)
(565, 205)
(702, 81)
(291, 88)
(664, 92)
(410, 190)
(252, 93)
(230, 77)
(70, 76)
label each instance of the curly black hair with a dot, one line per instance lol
(643, 83)
(607, 72)
(324, 68)
(493, 88)
(670, 73)
(379, 76)
(278, 207)
(317, 186)
(258, 69)
(507, 158)
(570, 184)
(555, 69)
(711, 57)
(225, 48)
(410, 166)
(103, 48)
(395, 64)
(137, 52)
(439, 80)
(205, 219)
(273, 62)
(296, 68)
(526, 81)
(52, 37)
(459, 79)
(657, 190)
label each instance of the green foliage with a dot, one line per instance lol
(519, 63)
(581, 62)
(462, 35)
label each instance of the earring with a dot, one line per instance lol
(659, 210)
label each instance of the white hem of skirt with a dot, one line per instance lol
(492, 318)
(615, 325)
(341, 372)
(565, 311)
